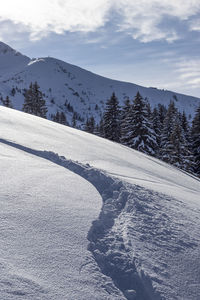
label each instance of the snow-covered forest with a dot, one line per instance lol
(162, 132)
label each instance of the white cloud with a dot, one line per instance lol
(140, 18)
(43, 16)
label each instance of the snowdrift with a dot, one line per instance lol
(85, 218)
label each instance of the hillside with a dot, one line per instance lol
(64, 84)
(64, 191)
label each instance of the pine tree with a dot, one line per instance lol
(180, 155)
(34, 103)
(184, 122)
(87, 126)
(74, 120)
(174, 141)
(56, 117)
(196, 141)
(7, 102)
(126, 121)
(28, 100)
(168, 126)
(186, 128)
(111, 119)
(99, 130)
(13, 92)
(60, 117)
(140, 134)
(157, 127)
(39, 102)
(162, 111)
(149, 111)
(90, 125)
(63, 119)
(125, 108)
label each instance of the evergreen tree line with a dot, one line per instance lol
(35, 104)
(33, 101)
(164, 133)
(6, 102)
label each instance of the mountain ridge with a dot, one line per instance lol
(65, 84)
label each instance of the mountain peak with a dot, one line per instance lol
(11, 61)
(5, 49)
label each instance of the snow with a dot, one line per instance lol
(44, 220)
(11, 61)
(144, 244)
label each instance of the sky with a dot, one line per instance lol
(147, 42)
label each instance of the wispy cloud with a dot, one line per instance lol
(189, 72)
(195, 25)
(142, 19)
(185, 75)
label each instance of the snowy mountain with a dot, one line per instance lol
(85, 218)
(67, 87)
(11, 61)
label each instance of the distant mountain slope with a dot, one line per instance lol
(11, 61)
(63, 83)
(143, 243)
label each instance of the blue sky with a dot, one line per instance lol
(145, 42)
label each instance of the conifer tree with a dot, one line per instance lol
(63, 119)
(90, 125)
(125, 108)
(184, 122)
(157, 127)
(168, 126)
(126, 122)
(34, 103)
(39, 103)
(140, 135)
(180, 155)
(87, 125)
(149, 111)
(7, 102)
(13, 92)
(196, 141)
(111, 119)
(28, 106)
(56, 117)
(162, 111)
(174, 142)
(99, 130)
(186, 127)
(74, 120)
(60, 117)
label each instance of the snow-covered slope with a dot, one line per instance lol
(64, 84)
(11, 61)
(145, 243)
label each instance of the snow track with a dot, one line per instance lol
(142, 239)
(111, 251)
